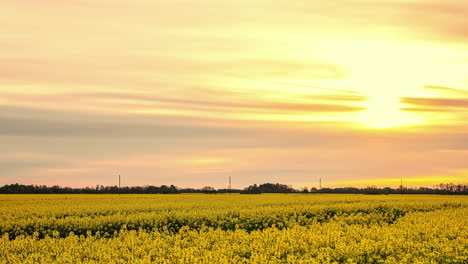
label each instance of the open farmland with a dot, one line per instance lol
(268, 228)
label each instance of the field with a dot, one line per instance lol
(267, 228)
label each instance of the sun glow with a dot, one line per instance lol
(384, 112)
(386, 71)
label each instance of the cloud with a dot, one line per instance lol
(427, 109)
(286, 69)
(48, 127)
(227, 108)
(447, 90)
(250, 155)
(237, 106)
(444, 20)
(321, 88)
(338, 97)
(436, 102)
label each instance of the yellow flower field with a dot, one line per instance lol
(233, 228)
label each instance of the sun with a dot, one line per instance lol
(384, 112)
(387, 70)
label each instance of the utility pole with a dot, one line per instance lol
(119, 181)
(229, 184)
(401, 185)
(320, 183)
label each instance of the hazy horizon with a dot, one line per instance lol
(189, 93)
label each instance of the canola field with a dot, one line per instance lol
(233, 228)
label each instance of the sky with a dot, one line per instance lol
(355, 92)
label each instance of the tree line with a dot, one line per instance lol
(443, 188)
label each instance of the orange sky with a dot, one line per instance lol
(182, 92)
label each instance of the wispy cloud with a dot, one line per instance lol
(447, 90)
(436, 102)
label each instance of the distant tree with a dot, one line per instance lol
(208, 189)
(268, 188)
(253, 189)
(443, 188)
(371, 190)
